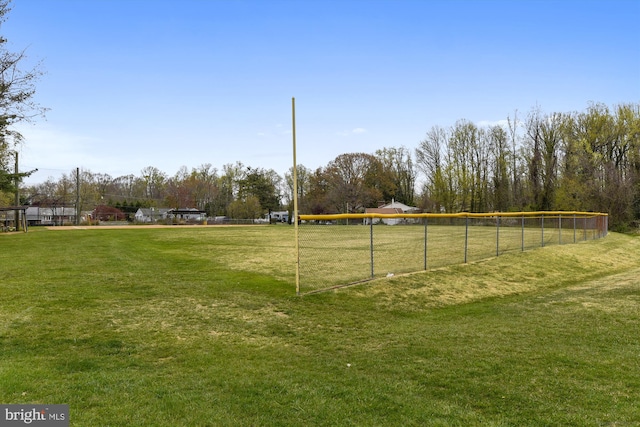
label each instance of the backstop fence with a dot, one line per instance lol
(343, 249)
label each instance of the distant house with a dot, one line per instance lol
(39, 215)
(390, 208)
(151, 215)
(404, 208)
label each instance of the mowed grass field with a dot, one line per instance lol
(201, 327)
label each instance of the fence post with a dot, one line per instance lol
(574, 228)
(542, 226)
(585, 228)
(425, 243)
(371, 245)
(466, 237)
(498, 235)
(560, 229)
(522, 233)
(600, 222)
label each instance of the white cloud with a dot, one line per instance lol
(489, 123)
(55, 152)
(355, 131)
(53, 147)
(274, 131)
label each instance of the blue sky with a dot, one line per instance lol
(136, 83)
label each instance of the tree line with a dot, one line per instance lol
(587, 161)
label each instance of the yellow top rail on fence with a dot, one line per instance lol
(330, 217)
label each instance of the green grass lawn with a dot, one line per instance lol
(201, 327)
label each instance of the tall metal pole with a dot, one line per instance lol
(295, 194)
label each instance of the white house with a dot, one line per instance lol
(390, 208)
(401, 206)
(149, 215)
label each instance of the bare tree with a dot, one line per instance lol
(502, 194)
(544, 137)
(304, 182)
(434, 165)
(155, 181)
(351, 183)
(17, 104)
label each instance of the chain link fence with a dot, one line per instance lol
(339, 250)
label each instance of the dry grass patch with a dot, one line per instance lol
(618, 293)
(191, 319)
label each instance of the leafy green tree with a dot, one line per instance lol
(397, 175)
(228, 184)
(601, 167)
(262, 185)
(247, 208)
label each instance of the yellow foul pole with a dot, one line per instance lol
(295, 194)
